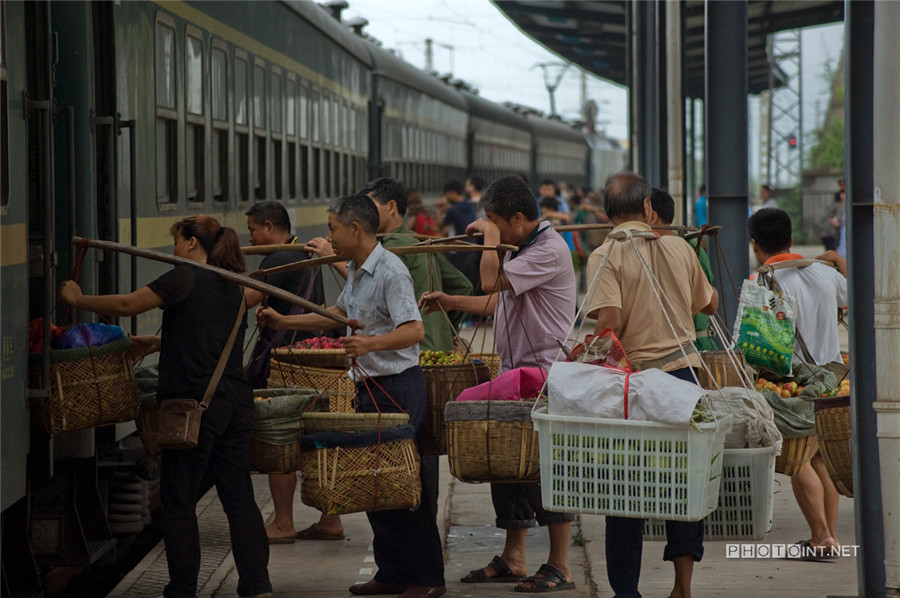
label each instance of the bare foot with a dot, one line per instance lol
(276, 532)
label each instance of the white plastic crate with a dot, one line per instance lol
(744, 511)
(630, 468)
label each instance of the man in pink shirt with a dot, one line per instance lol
(532, 297)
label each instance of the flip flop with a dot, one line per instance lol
(504, 575)
(311, 533)
(546, 575)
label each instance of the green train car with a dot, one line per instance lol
(119, 118)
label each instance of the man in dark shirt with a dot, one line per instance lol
(269, 224)
(460, 214)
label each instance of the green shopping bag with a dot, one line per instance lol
(764, 327)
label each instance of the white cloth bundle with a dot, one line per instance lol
(580, 389)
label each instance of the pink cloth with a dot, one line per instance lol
(539, 309)
(514, 385)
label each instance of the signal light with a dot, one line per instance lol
(792, 141)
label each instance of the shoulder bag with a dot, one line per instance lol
(179, 419)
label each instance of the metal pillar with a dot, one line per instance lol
(675, 107)
(650, 105)
(726, 143)
(882, 209)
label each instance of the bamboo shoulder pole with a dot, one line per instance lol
(405, 250)
(267, 249)
(240, 279)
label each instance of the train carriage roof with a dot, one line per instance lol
(591, 33)
(553, 129)
(392, 67)
(322, 20)
(488, 110)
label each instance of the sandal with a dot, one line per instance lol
(546, 575)
(503, 573)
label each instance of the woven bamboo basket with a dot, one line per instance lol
(491, 359)
(794, 453)
(317, 358)
(274, 446)
(722, 369)
(337, 383)
(833, 432)
(382, 475)
(492, 441)
(312, 423)
(274, 458)
(88, 388)
(443, 383)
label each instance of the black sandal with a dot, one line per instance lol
(504, 575)
(546, 575)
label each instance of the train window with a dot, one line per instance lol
(326, 119)
(195, 126)
(165, 65)
(241, 129)
(193, 74)
(304, 113)
(219, 149)
(290, 128)
(314, 116)
(260, 172)
(259, 96)
(276, 102)
(166, 112)
(277, 120)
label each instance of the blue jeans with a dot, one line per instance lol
(223, 453)
(625, 541)
(407, 544)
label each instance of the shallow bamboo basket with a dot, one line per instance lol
(833, 432)
(340, 480)
(337, 383)
(318, 358)
(722, 369)
(443, 383)
(500, 446)
(794, 453)
(312, 423)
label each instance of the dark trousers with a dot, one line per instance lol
(625, 541)
(519, 505)
(407, 544)
(222, 452)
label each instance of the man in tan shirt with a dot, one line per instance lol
(622, 298)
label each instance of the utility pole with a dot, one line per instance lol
(429, 55)
(552, 85)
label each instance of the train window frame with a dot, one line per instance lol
(303, 96)
(260, 165)
(219, 142)
(242, 147)
(195, 143)
(166, 129)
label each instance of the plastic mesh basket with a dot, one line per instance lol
(630, 468)
(744, 511)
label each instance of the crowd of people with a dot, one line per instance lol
(410, 302)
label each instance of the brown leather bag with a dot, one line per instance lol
(179, 419)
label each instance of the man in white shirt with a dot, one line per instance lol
(820, 291)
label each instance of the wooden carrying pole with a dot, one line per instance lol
(241, 279)
(405, 250)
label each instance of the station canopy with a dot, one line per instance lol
(591, 33)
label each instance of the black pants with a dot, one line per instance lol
(407, 544)
(519, 505)
(223, 453)
(625, 541)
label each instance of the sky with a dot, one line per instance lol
(475, 42)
